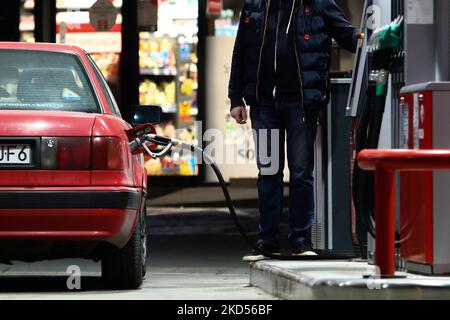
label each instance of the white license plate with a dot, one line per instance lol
(15, 154)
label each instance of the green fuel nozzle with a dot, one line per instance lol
(387, 37)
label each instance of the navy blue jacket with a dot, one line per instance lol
(314, 24)
(278, 77)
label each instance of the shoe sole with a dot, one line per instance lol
(254, 258)
(305, 254)
(257, 258)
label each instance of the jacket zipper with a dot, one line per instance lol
(276, 49)
(261, 50)
(298, 67)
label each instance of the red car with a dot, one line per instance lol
(69, 184)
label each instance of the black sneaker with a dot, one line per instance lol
(303, 248)
(257, 256)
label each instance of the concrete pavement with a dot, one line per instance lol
(342, 280)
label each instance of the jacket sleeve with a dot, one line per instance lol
(339, 28)
(236, 84)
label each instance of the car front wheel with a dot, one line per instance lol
(125, 268)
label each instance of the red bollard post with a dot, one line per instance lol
(385, 221)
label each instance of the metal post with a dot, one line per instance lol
(9, 21)
(45, 20)
(442, 29)
(385, 221)
(129, 60)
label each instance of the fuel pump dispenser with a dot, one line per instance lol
(419, 121)
(383, 56)
(424, 200)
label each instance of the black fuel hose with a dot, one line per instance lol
(325, 255)
(234, 217)
(368, 134)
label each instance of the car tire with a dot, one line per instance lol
(125, 268)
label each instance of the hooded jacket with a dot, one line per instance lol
(278, 78)
(313, 23)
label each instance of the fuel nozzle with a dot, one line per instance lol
(135, 144)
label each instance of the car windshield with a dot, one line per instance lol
(43, 80)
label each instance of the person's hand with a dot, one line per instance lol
(239, 114)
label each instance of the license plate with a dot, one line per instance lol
(12, 154)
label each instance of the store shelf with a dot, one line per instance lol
(184, 99)
(169, 108)
(167, 72)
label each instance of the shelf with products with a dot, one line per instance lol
(28, 5)
(168, 71)
(169, 78)
(179, 163)
(162, 93)
(161, 72)
(157, 56)
(27, 24)
(108, 63)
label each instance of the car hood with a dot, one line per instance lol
(15, 123)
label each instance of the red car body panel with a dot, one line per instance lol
(109, 225)
(44, 178)
(96, 223)
(38, 123)
(14, 123)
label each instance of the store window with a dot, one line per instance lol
(26, 26)
(169, 78)
(73, 27)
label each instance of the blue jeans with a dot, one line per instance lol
(300, 135)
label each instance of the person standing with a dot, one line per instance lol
(280, 68)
